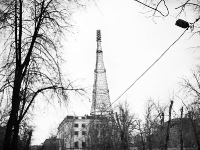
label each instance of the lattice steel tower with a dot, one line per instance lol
(100, 99)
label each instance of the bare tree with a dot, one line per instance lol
(33, 30)
(112, 131)
(126, 125)
(154, 124)
(25, 136)
(150, 133)
(102, 133)
(139, 136)
(191, 90)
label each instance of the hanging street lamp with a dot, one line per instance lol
(182, 23)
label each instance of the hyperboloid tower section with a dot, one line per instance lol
(100, 100)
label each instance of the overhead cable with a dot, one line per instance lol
(149, 67)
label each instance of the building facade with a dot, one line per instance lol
(72, 132)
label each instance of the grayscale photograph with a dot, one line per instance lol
(99, 75)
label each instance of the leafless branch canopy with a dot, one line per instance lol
(31, 55)
(34, 30)
(163, 8)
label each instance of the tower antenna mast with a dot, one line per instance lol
(100, 98)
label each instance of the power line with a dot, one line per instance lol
(149, 68)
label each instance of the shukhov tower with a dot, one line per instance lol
(100, 99)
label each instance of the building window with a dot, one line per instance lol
(75, 132)
(83, 144)
(83, 125)
(83, 117)
(70, 117)
(75, 125)
(76, 144)
(83, 133)
(76, 117)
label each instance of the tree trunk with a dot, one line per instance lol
(9, 126)
(8, 134)
(16, 90)
(181, 130)
(168, 126)
(14, 145)
(14, 111)
(162, 130)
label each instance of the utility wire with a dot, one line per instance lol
(149, 68)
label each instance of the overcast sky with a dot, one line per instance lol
(131, 42)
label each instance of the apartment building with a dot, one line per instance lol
(72, 132)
